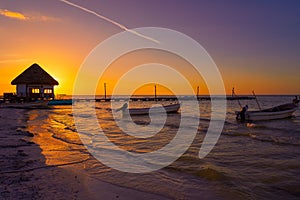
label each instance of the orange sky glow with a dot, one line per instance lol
(60, 41)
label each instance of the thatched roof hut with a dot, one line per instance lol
(35, 83)
(34, 75)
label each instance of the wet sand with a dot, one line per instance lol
(24, 173)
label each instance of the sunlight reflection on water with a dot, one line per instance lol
(246, 156)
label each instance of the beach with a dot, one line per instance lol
(25, 174)
(42, 156)
(149, 100)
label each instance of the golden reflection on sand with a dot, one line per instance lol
(59, 145)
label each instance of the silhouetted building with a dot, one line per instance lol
(34, 83)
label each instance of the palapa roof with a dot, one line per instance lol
(34, 75)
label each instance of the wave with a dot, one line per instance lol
(207, 173)
(268, 127)
(264, 133)
(275, 140)
(67, 140)
(211, 174)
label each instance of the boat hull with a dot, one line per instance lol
(60, 102)
(172, 108)
(278, 112)
(257, 116)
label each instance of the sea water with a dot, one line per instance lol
(254, 160)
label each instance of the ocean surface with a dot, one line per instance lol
(257, 160)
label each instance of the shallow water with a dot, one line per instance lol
(258, 160)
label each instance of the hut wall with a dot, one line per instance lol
(44, 91)
(47, 91)
(21, 90)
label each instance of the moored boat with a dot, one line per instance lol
(60, 102)
(277, 112)
(171, 108)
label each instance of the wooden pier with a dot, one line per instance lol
(200, 98)
(156, 97)
(138, 99)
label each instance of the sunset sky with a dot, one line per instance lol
(255, 44)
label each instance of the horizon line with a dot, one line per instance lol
(109, 95)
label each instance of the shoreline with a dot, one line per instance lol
(26, 174)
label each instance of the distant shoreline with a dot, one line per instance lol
(181, 95)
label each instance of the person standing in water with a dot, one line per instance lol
(296, 100)
(242, 113)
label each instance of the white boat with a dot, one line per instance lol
(171, 108)
(277, 112)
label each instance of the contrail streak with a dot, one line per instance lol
(110, 20)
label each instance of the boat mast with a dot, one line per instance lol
(105, 91)
(234, 95)
(256, 100)
(155, 97)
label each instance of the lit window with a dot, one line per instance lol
(35, 90)
(48, 91)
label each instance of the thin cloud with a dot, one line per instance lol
(14, 60)
(44, 18)
(12, 14)
(21, 16)
(110, 21)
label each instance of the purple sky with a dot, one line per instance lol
(245, 38)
